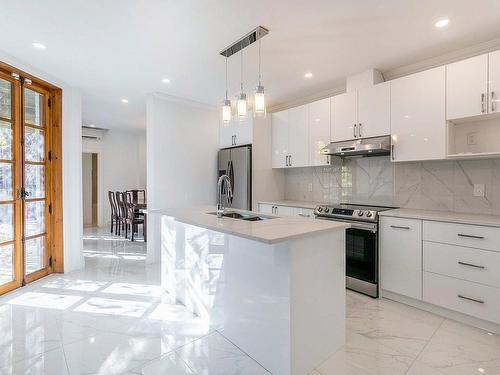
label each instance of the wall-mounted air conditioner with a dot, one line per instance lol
(93, 133)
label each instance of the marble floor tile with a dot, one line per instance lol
(171, 364)
(49, 363)
(215, 355)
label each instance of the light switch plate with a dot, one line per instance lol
(479, 190)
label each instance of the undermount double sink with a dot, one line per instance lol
(243, 216)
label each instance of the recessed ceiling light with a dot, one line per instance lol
(165, 80)
(442, 23)
(308, 75)
(124, 100)
(39, 45)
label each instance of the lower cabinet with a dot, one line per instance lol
(266, 208)
(401, 256)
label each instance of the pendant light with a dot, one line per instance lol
(259, 109)
(226, 106)
(242, 97)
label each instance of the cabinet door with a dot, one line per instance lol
(298, 140)
(285, 211)
(243, 130)
(494, 77)
(374, 110)
(266, 208)
(466, 87)
(280, 138)
(304, 212)
(344, 116)
(226, 132)
(418, 125)
(401, 256)
(319, 131)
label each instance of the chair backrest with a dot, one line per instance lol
(138, 196)
(112, 203)
(120, 205)
(128, 205)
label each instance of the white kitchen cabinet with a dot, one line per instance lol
(401, 256)
(344, 116)
(266, 208)
(304, 212)
(374, 115)
(284, 211)
(494, 79)
(236, 132)
(298, 137)
(467, 88)
(418, 125)
(319, 131)
(280, 150)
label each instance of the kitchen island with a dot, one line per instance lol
(274, 286)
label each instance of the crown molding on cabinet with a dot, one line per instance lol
(402, 71)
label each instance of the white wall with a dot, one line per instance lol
(121, 165)
(71, 162)
(182, 145)
(87, 188)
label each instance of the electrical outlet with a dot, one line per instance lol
(471, 139)
(479, 190)
(310, 187)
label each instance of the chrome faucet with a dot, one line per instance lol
(224, 184)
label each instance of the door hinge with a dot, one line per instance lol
(50, 208)
(49, 156)
(50, 261)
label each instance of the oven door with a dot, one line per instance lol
(362, 258)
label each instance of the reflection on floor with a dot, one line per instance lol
(113, 318)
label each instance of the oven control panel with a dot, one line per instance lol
(349, 213)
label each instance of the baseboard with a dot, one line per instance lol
(446, 313)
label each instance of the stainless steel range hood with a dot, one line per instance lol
(375, 146)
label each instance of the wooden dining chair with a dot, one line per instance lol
(122, 213)
(132, 220)
(114, 210)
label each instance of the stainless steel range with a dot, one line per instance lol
(361, 243)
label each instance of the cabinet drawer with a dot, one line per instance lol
(463, 235)
(304, 212)
(469, 298)
(480, 266)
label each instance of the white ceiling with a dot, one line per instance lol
(115, 49)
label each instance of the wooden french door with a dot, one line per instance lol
(25, 181)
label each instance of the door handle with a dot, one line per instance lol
(392, 152)
(359, 130)
(470, 236)
(470, 265)
(483, 109)
(286, 161)
(354, 130)
(470, 299)
(235, 139)
(400, 227)
(493, 102)
(290, 160)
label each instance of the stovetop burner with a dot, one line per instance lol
(350, 212)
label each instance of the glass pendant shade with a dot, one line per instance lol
(259, 109)
(242, 106)
(226, 111)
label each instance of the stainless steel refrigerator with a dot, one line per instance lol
(237, 164)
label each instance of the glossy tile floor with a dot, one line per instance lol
(113, 318)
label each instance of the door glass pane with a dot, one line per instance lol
(5, 141)
(6, 182)
(5, 99)
(34, 218)
(6, 263)
(33, 107)
(33, 144)
(34, 180)
(35, 250)
(6, 223)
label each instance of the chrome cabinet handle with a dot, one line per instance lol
(470, 299)
(493, 102)
(482, 103)
(354, 130)
(400, 227)
(286, 161)
(235, 139)
(392, 152)
(470, 236)
(276, 210)
(290, 160)
(359, 130)
(470, 265)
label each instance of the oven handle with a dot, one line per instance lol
(372, 227)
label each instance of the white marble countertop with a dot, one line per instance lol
(301, 204)
(277, 229)
(448, 216)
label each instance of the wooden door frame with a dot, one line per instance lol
(54, 245)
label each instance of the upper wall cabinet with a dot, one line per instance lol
(290, 138)
(467, 88)
(418, 125)
(236, 132)
(319, 131)
(472, 86)
(361, 114)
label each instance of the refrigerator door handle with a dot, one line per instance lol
(231, 178)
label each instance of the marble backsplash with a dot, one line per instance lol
(436, 185)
